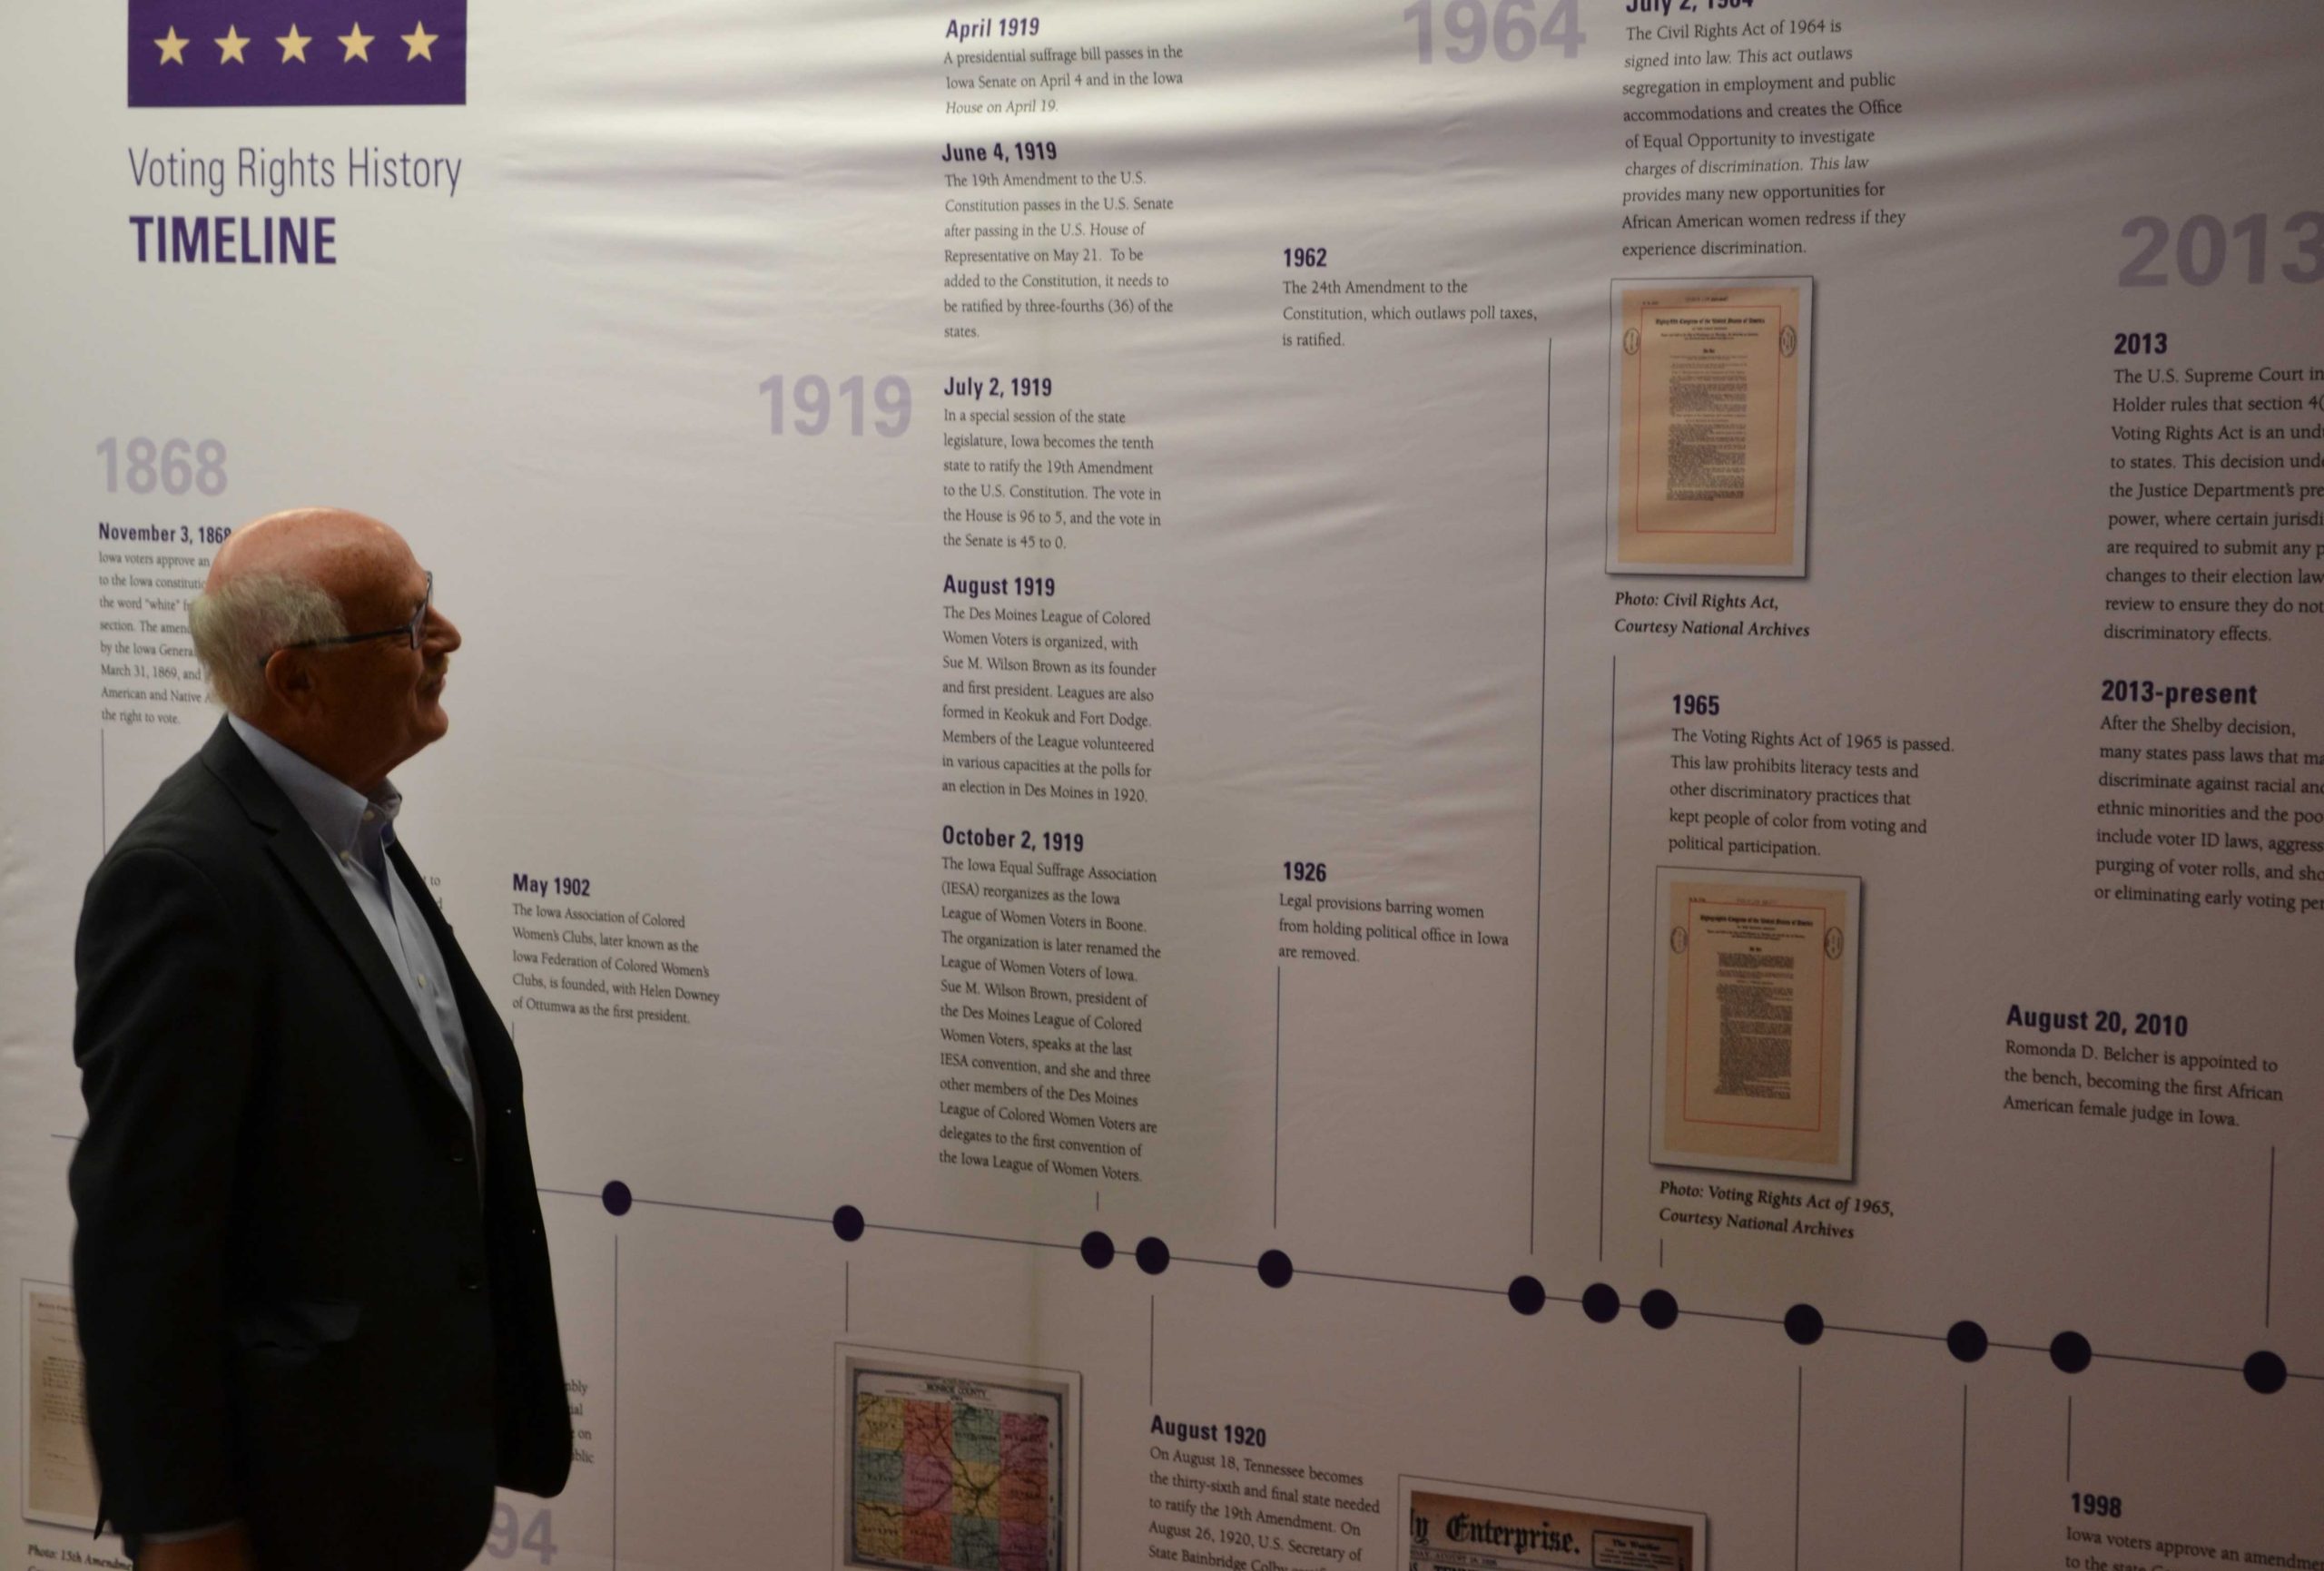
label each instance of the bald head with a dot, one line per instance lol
(329, 547)
(302, 625)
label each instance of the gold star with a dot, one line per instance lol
(173, 47)
(420, 38)
(294, 45)
(229, 47)
(358, 44)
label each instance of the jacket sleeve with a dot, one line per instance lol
(163, 1033)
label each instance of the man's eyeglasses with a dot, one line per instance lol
(409, 632)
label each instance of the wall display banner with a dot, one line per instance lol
(1477, 784)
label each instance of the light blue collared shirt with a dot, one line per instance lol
(357, 830)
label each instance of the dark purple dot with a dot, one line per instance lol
(2069, 1350)
(1658, 1309)
(1967, 1340)
(1275, 1268)
(1097, 1251)
(1601, 1302)
(848, 1223)
(616, 1197)
(1803, 1324)
(1153, 1256)
(1527, 1296)
(2265, 1373)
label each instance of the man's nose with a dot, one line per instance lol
(439, 635)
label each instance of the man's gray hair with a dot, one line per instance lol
(246, 619)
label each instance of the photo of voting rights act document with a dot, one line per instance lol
(1709, 430)
(1755, 1017)
(1466, 1527)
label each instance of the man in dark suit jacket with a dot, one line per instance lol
(313, 1295)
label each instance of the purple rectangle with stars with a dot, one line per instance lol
(221, 53)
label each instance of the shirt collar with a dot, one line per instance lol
(343, 819)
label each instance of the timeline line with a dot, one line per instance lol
(1529, 1300)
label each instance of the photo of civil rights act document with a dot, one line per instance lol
(1449, 1526)
(60, 1475)
(1755, 1021)
(1709, 427)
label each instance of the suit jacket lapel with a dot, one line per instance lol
(302, 856)
(492, 1059)
(488, 1043)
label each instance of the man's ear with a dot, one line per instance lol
(291, 681)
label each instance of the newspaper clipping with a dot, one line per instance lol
(1461, 1527)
